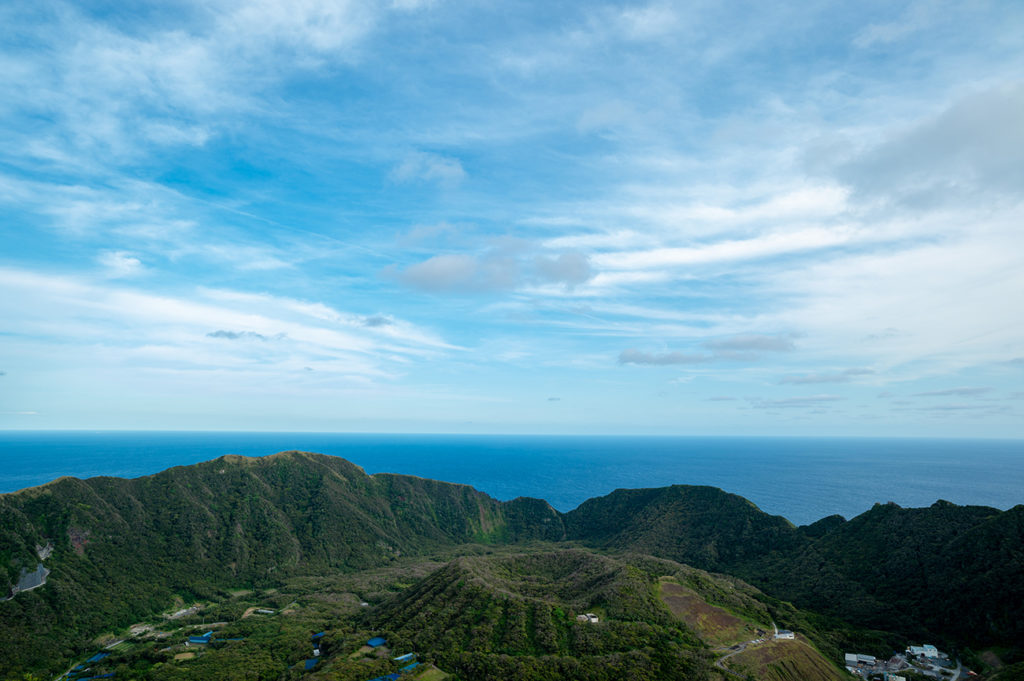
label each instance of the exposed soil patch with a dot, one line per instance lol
(79, 539)
(713, 624)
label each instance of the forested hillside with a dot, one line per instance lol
(125, 549)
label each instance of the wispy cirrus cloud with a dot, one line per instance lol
(62, 310)
(832, 377)
(632, 356)
(809, 402)
(955, 392)
(241, 335)
(561, 184)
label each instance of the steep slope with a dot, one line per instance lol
(908, 569)
(891, 568)
(515, 617)
(700, 526)
(123, 548)
(784, 661)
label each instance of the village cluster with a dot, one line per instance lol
(926, 660)
(96, 667)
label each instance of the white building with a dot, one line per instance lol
(785, 634)
(925, 650)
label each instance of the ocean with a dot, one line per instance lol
(803, 479)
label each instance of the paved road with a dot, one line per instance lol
(720, 662)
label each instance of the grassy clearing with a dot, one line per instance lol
(431, 673)
(716, 626)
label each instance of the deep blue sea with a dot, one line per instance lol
(803, 479)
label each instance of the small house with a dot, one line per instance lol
(785, 634)
(376, 642)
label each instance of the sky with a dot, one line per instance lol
(734, 218)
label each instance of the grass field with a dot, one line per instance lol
(716, 626)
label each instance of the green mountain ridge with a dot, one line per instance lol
(125, 549)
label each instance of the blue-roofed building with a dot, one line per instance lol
(317, 637)
(376, 642)
(311, 663)
(205, 638)
(409, 668)
(405, 658)
(97, 657)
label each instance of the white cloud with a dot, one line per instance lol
(915, 18)
(641, 23)
(769, 245)
(444, 170)
(974, 145)
(120, 264)
(190, 332)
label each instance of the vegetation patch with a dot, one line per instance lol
(785, 661)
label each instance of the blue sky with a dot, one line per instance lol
(519, 217)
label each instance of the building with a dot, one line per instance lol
(205, 638)
(785, 634)
(376, 642)
(926, 650)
